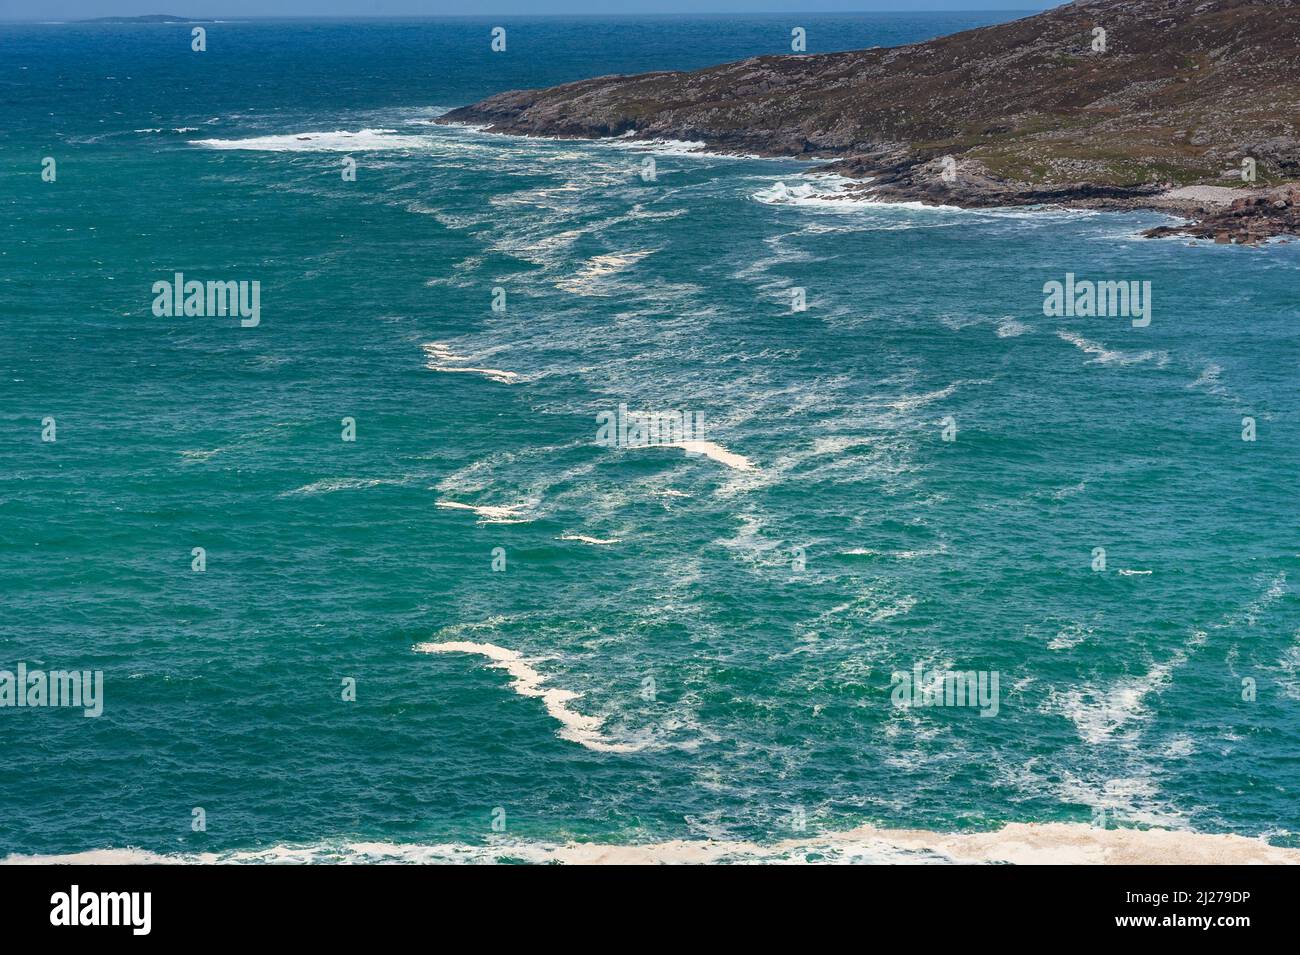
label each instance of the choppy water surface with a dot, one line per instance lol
(678, 646)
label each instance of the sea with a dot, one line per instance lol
(366, 581)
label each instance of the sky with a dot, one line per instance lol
(81, 9)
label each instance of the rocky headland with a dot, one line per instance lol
(1185, 106)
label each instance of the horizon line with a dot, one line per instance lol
(234, 18)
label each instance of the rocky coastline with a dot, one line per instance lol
(1188, 107)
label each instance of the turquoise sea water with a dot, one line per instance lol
(1121, 690)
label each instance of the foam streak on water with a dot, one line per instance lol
(637, 653)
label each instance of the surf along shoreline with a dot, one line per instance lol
(1175, 106)
(1015, 843)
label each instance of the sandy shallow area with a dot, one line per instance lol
(1018, 844)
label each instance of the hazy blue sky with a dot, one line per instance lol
(77, 9)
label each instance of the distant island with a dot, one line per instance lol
(1189, 106)
(147, 18)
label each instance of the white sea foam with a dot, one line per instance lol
(543, 245)
(1250, 613)
(818, 189)
(1127, 572)
(577, 728)
(1061, 493)
(1017, 843)
(1010, 328)
(200, 454)
(871, 199)
(490, 514)
(674, 147)
(832, 191)
(671, 147)
(1070, 636)
(598, 267)
(870, 607)
(438, 355)
(1107, 356)
(441, 352)
(338, 140)
(713, 451)
(1209, 379)
(1103, 715)
(905, 404)
(492, 374)
(329, 485)
(895, 554)
(583, 538)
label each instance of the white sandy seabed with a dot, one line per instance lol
(1018, 843)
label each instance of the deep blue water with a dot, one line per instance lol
(1121, 693)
